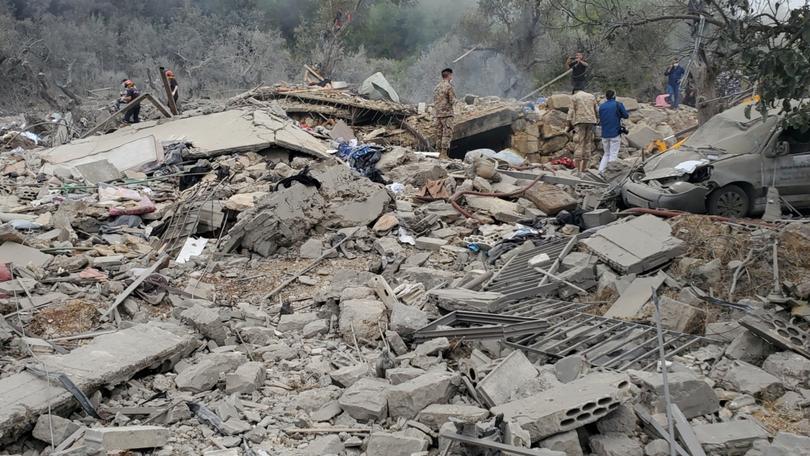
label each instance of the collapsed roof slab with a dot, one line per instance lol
(213, 134)
(108, 360)
(484, 121)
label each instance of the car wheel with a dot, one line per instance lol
(729, 201)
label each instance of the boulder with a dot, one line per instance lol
(362, 318)
(366, 399)
(409, 398)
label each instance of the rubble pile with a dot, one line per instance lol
(227, 284)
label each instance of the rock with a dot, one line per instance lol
(615, 444)
(570, 368)
(326, 444)
(437, 414)
(567, 442)
(126, 437)
(409, 398)
(62, 428)
(396, 444)
(749, 348)
(641, 136)
(246, 379)
(396, 343)
(792, 369)
(749, 379)
(385, 223)
(365, 316)
(428, 243)
(406, 320)
(432, 346)
(498, 386)
(388, 247)
(205, 374)
(719, 438)
(676, 315)
(206, 321)
(786, 444)
(366, 399)
(428, 277)
(402, 374)
(621, 420)
(658, 447)
(315, 328)
(296, 322)
(349, 375)
(328, 411)
(692, 395)
(549, 198)
(311, 249)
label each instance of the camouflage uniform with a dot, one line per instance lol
(583, 116)
(443, 99)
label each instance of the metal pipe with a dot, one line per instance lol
(664, 370)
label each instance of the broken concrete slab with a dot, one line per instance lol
(399, 375)
(126, 437)
(637, 245)
(692, 395)
(248, 131)
(366, 399)
(549, 198)
(361, 318)
(635, 297)
(107, 360)
(22, 255)
(395, 444)
(503, 380)
(568, 406)
(53, 428)
(435, 415)
(406, 320)
(206, 374)
(641, 136)
(98, 171)
(787, 444)
(409, 398)
(598, 217)
(678, 316)
(349, 375)
(792, 369)
(296, 321)
(749, 379)
(567, 442)
(736, 436)
(246, 379)
(749, 347)
(206, 321)
(615, 444)
(376, 87)
(428, 243)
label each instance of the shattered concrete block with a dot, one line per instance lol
(641, 136)
(396, 343)
(568, 406)
(366, 399)
(62, 428)
(126, 437)
(325, 444)
(497, 387)
(361, 318)
(428, 243)
(399, 375)
(396, 444)
(246, 379)
(559, 102)
(598, 217)
(315, 328)
(570, 368)
(658, 447)
(549, 198)
(435, 415)
(750, 348)
(409, 398)
(732, 437)
(567, 442)
(622, 420)
(311, 249)
(349, 375)
(388, 247)
(295, 322)
(428, 277)
(205, 374)
(206, 321)
(786, 444)
(406, 320)
(615, 444)
(692, 395)
(433, 346)
(676, 315)
(749, 379)
(792, 369)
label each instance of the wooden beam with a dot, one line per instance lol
(144, 96)
(157, 104)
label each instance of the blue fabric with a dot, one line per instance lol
(611, 113)
(674, 75)
(674, 91)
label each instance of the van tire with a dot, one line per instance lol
(729, 201)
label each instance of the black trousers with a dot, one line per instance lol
(133, 115)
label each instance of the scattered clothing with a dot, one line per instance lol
(363, 159)
(302, 177)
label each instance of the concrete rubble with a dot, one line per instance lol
(238, 282)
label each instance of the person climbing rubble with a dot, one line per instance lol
(582, 117)
(444, 97)
(132, 92)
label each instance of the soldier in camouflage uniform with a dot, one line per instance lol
(583, 115)
(443, 99)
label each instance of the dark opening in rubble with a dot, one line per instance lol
(496, 139)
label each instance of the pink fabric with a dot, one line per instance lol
(661, 101)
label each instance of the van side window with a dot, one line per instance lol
(799, 140)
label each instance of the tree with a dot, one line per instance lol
(757, 39)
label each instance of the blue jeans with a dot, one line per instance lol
(674, 92)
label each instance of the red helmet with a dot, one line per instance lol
(128, 83)
(169, 74)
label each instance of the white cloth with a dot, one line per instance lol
(611, 148)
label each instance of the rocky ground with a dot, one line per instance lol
(300, 327)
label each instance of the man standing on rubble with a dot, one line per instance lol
(132, 92)
(611, 113)
(173, 86)
(444, 97)
(674, 75)
(582, 117)
(579, 71)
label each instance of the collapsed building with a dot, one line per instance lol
(242, 280)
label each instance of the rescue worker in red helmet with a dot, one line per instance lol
(132, 92)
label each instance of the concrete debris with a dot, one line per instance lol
(298, 323)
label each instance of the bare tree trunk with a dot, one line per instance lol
(706, 85)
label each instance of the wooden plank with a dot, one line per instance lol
(684, 430)
(160, 106)
(168, 88)
(123, 110)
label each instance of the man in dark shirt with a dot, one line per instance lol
(132, 92)
(674, 75)
(579, 71)
(173, 85)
